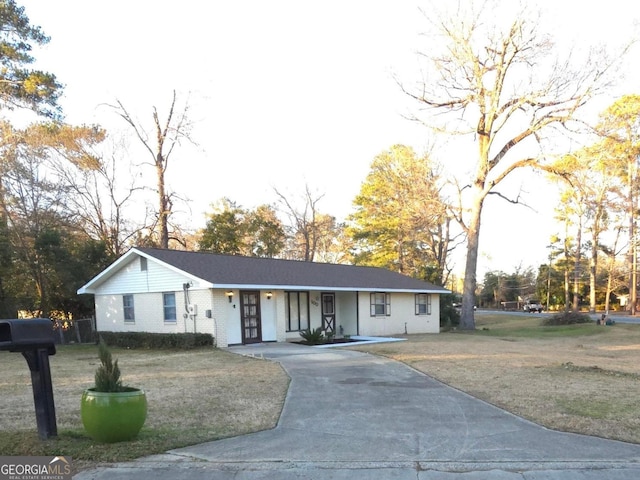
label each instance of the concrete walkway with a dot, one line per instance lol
(350, 415)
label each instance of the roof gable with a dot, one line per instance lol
(228, 271)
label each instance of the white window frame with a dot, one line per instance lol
(380, 304)
(128, 309)
(166, 295)
(423, 303)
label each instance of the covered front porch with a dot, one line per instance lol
(273, 315)
(255, 316)
(333, 311)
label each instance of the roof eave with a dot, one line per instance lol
(238, 286)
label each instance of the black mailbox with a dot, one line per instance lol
(35, 340)
(21, 335)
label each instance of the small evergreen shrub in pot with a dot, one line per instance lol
(110, 411)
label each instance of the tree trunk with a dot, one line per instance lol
(592, 285)
(441, 251)
(632, 238)
(467, 320)
(576, 270)
(612, 264)
(607, 297)
(631, 263)
(567, 301)
(41, 289)
(595, 242)
(593, 269)
(634, 280)
(163, 207)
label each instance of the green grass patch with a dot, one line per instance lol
(544, 331)
(489, 318)
(85, 451)
(520, 326)
(595, 409)
(585, 407)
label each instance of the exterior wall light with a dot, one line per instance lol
(269, 295)
(229, 295)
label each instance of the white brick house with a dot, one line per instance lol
(242, 300)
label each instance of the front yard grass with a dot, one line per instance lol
(579, 378)
(576, 378)
(193, 396)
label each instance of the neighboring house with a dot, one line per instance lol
(241, 300)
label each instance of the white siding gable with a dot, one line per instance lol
(132, 278)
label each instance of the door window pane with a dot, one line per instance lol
(250, 318)
(327, 304)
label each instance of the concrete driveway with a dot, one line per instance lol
(350, 415)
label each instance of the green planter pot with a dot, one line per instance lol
(111, 417)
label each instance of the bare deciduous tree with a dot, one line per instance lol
(502, 86)
(306, 225)
(167, 136)
(99, 197)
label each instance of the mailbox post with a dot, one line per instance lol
(35, 340)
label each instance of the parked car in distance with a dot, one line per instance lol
(532, 306)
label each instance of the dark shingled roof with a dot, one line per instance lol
(239, 270)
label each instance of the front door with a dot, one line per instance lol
(250, 317)
(329, 312)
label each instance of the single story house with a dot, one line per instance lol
(242, 300)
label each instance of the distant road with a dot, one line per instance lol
(615, 316)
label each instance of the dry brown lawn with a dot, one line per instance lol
(583, 379)
(193, 396)
(206, 389)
